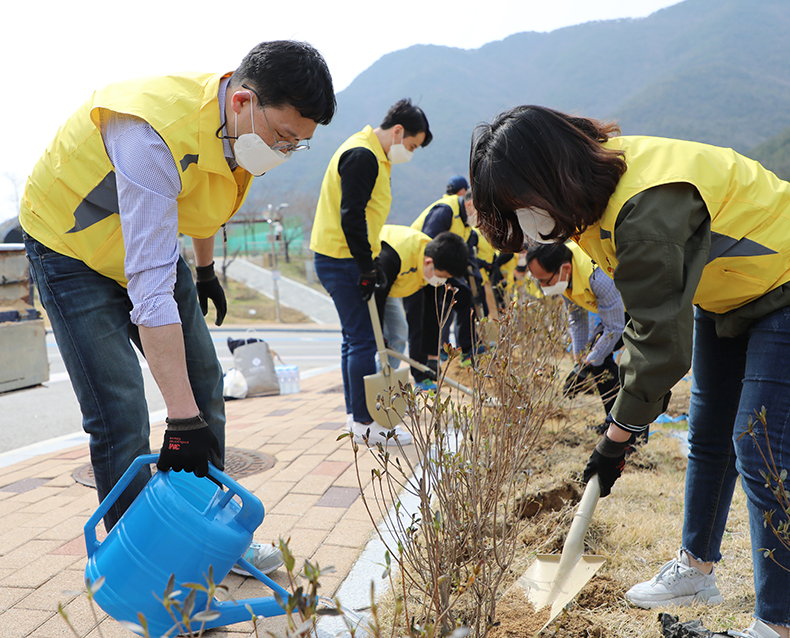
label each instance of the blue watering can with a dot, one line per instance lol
(178, 525)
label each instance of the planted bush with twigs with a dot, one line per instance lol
(775, 478)
(454, 545)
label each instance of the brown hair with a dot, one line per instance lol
(535, 156)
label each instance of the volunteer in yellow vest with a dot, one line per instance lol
(450, 214)
(140, 162)
(352, 207)
(411, 261)
(678, 224)
(564, 269)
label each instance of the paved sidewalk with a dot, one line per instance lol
(316, 305)
(311, 495)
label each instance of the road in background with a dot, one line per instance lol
(50, 411)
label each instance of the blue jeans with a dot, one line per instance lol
(395, 329)
(358, 351)
(89, 314)
(732, 379)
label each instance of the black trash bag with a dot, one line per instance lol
(672, 628)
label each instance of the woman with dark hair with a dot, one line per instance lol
(697, 240)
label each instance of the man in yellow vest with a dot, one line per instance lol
(564, 269)
(140, 162)
(450, 213)
(411, 261)
(353, 205)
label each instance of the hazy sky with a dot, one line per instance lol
(53, 55)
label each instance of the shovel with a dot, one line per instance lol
(381, 386)
(555, 580)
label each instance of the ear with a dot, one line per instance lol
(398, 132)
(239, 99)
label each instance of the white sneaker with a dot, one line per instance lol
(677, 583)
(266, 558)
(349, 423)
(758, 629)
(372, 433)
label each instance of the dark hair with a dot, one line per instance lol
(410, 117)
(449, 253)
(550, 256)
(286, 72)
(535, 156)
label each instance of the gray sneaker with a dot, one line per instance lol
(266, 558)
(677, 583)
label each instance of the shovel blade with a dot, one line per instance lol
(544, 587)
(380, 391)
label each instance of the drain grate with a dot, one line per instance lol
(238, 464)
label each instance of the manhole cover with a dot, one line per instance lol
(238, 464)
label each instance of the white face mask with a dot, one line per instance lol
(399, 154)
(556, 289)
(253, 154)
(434, 280)
(535, 222)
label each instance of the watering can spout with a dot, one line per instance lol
(182, 527)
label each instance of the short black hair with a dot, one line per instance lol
(449, 253)
(410, 117)
(550, 256)
(287, 72)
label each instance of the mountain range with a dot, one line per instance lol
(713, 71)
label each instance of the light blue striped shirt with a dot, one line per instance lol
(148, 187)
(611, 312)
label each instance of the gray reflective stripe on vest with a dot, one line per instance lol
(605, 234)
(187, 160)
(99, 204)
(724, 246)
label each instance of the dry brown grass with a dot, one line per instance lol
(637, 529)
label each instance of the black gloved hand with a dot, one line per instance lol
(189, 444)
(208, 287)
(607, 461)
(371, 281)
(578, 380)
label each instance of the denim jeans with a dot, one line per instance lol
(732, 379)
(395, 329)
(89, 314)
(340, 277)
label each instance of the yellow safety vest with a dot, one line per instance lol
(71, 201)
(458, 227)
(410, 245)
(579, 292)
(530, 286)
(749, 208)
(486, 253)
(328, 237)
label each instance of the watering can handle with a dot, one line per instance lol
(104, 507)
(249, 517)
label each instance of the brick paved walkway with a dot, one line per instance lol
(311, 495)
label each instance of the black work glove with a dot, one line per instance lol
(371, 281)
(208, 287)
(578, 380)
(607, 461)
(189, 444)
